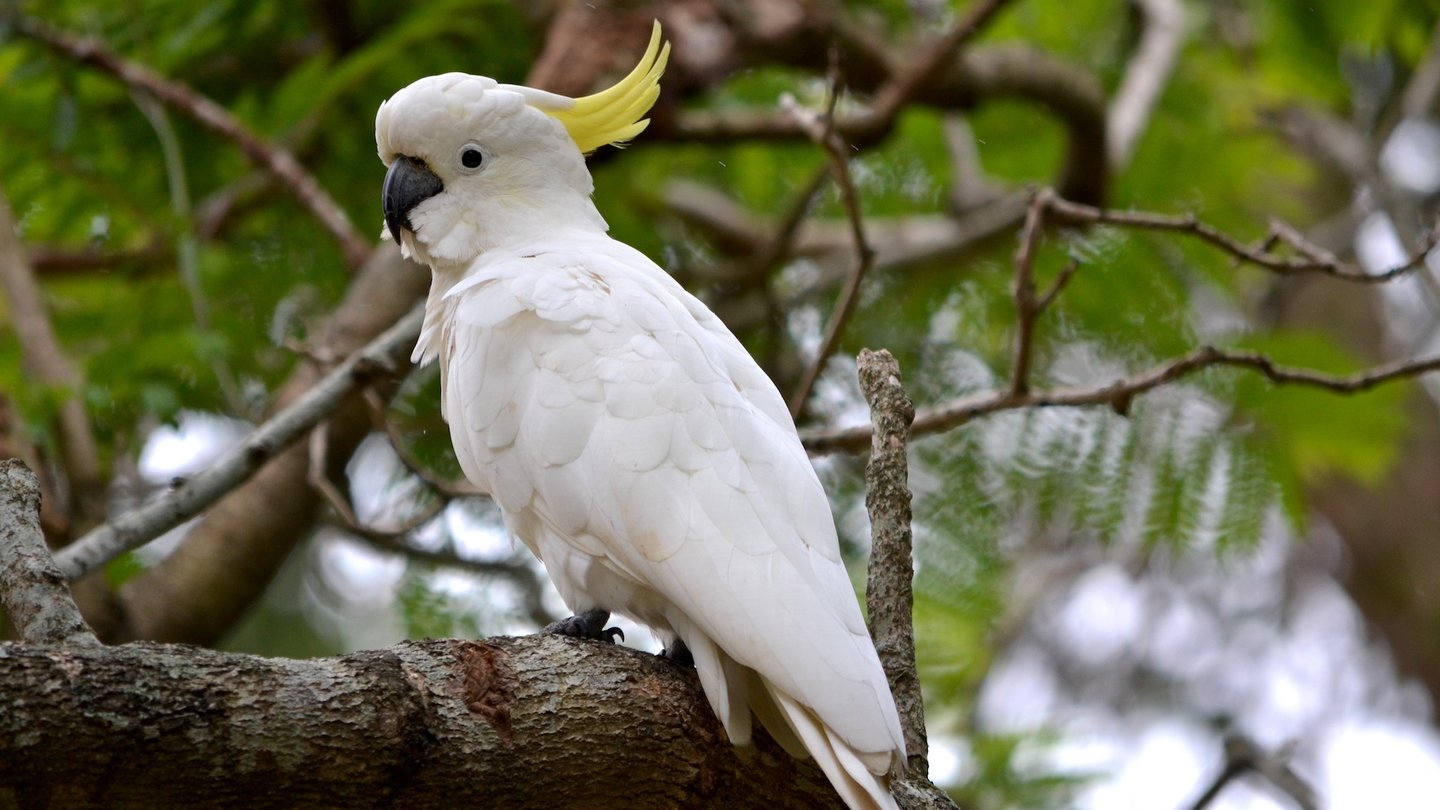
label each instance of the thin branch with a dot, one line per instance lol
(1308, 262)
(1119, 394)
(45, 361)
(1027, 306)
(781, 245)
(823, 133)
(278, 161)
(974, 76)
(445, 487)
(1162, 33)
(187, 245)
(522, 575)
(384, 355)
(894, 96)
(36, 596)
(1243, 756)
(322, 482)
(94, 258)
(1058, 285)
(890, 98)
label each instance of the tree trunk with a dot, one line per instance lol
(538, 721)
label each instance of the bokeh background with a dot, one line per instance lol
(1111, 608)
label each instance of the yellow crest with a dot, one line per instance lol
(613, 115)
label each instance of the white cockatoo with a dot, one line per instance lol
(628, 438)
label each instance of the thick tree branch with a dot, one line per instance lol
(383, 356)
(34, 592)
(45, 361)
(534, 722)
(278, 161)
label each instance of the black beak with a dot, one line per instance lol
(408, 183)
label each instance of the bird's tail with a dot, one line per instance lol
(861, 779)
(734, 690)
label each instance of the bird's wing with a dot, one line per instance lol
(598, 394)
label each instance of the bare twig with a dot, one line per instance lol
(34, 591)
(445, 487)
(823, 133)
(1243, 756)
(278, 161)
(1077, 213)
(522, 575)
(781, 244)
(894, 96)
(1119, 394)
(1027, 306)
(1149, 68)
(48, 365)
(384, 355)
(340, 502)
(187, 245)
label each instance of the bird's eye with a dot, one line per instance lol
(471, 157)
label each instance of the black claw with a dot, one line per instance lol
(590, 624)
(679, 653)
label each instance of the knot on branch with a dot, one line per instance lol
(488, 686)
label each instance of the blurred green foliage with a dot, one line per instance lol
(1199, 466)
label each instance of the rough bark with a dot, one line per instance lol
(36, 597)
(538, 721)
(889, 597)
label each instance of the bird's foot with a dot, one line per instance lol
(590, 624)
(679, 653)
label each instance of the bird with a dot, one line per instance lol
(628, 438)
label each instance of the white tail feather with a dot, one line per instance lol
(857, 784)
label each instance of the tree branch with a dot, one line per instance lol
(1242, 756)
(1119, 394)
(1310, 260)
(32, 588)
(888, 597)
(384, 355)
(822, 131)
(1027, 307)
(973, 77)
(48, 365)
(278, 161)
(533, 722)
(444, 487)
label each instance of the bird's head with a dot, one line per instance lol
(474, 163)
